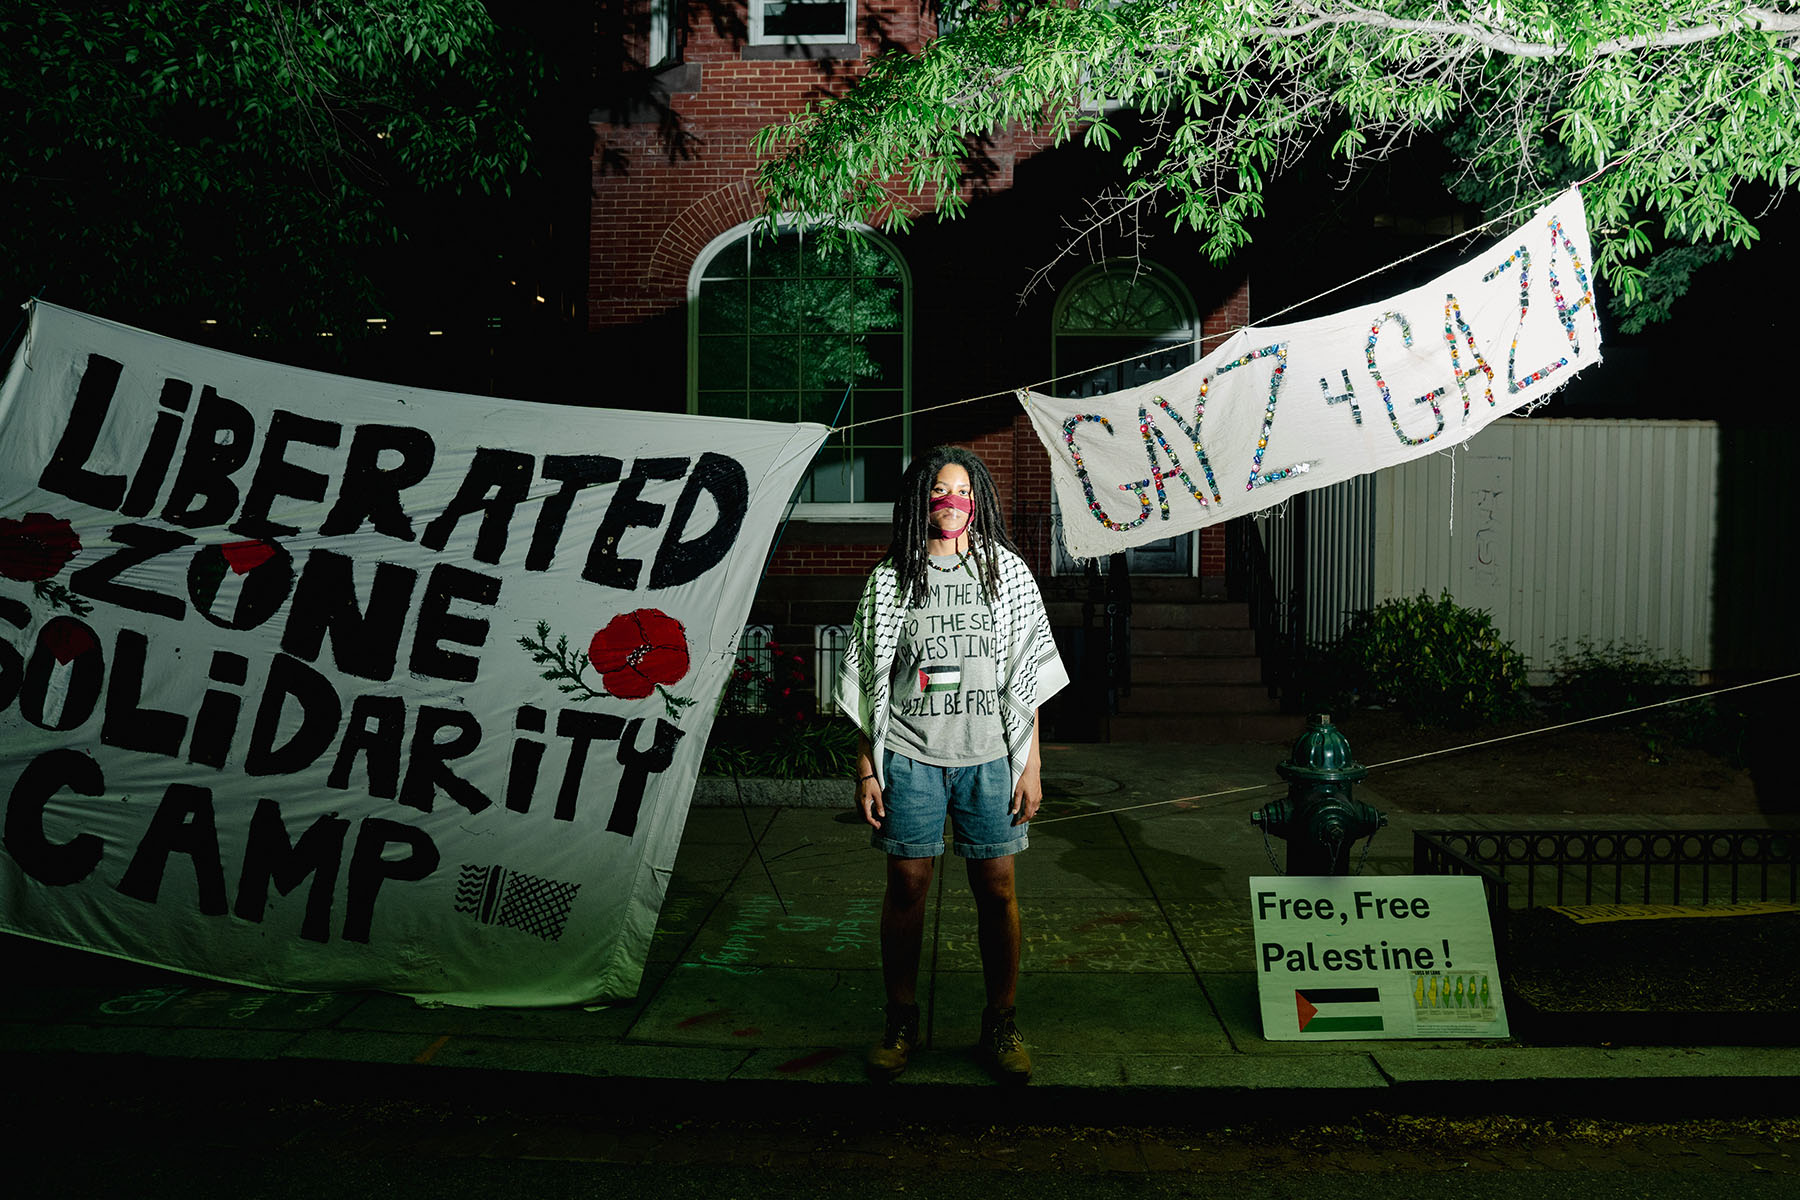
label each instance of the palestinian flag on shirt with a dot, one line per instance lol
(1339, 1010)
(940, 679)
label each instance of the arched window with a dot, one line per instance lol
(1122, 310)
(785, 328)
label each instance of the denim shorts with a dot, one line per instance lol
(919, 796)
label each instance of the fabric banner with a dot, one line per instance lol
(1283, 409)
(313, 683)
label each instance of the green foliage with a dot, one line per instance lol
(1668, 107)
(1667, 276)
(1434, 660)
(1593, 681)
(224, 160)
(767, 748)
(766, 727)
(1589, 680)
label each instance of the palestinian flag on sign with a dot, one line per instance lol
(940, 679)
(1339, 1010)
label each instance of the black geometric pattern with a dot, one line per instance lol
(528, 903)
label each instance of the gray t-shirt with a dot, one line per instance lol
(946, 696)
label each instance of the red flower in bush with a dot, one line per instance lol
(639, 650)
(36, 548)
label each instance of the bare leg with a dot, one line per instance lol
(903, 925)
(997, 910)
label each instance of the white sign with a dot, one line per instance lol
(1283, 409)
(313, 683)
(1395, 956)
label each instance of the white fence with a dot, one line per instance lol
(1563, 530)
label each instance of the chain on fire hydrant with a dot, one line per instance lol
(1319, 818)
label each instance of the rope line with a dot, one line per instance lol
(1394, 762)
(1044, 385)
(1624, 712)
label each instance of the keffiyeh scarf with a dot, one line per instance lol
(1026, 665)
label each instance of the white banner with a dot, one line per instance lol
(313, 683)
(1287, 408)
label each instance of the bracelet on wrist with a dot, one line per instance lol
(867, 777)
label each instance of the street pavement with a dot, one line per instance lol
(1137, 997)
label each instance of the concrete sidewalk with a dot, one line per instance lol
(1137, 985)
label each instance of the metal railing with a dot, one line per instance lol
(1249, 577)
(1526, 868)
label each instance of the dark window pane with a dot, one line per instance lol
(721, 362)
(722, 307)
(870, 404)
(774, 257)
(801, 18)
(731, 262)
(833, 362)
(825, 407)
(882, 353)
(775, 362)
(877, 307)
(776, 305)
(881, 480)
(773, 406)
(721, 404)
(831, 305)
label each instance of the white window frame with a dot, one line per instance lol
(842, 37)
(829, 644)
(861, 512)
(659, 36)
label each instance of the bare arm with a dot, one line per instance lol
(1028, 793)
(868, 788)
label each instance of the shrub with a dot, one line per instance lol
(766, 726)
(1434, 660)
(1592, 681)
(764, 748)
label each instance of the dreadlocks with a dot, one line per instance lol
(912, 523)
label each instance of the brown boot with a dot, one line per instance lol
(1001, 1048)
(900, 1033)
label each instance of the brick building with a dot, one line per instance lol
(903, 341)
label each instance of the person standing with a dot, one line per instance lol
(949, 658)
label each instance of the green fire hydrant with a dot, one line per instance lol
(1319, 817)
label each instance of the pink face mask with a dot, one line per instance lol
(961, 504)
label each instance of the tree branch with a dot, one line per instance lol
(1761, 20)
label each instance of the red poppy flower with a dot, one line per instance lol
(638, 651)
(67, 639)
(37, 547)
(244, 557)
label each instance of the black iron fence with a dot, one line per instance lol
(1249, 577)
(1528, 868)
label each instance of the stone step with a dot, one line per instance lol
(1195, 668)
(1211, 729)
(1153, 588)
(1179, 698)
(1216, 642)
(1210, 614)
